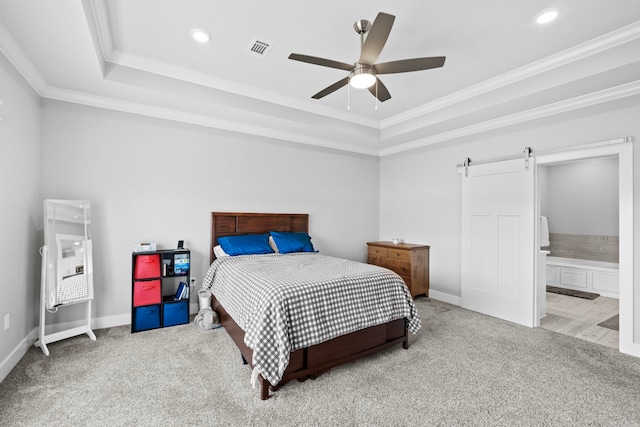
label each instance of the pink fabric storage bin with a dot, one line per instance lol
(147, 266)
(147, 292)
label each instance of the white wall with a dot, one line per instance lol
(420, 190)
(151, 180)
(21, 213)
(582, 197)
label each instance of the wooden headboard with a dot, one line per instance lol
(229, 224)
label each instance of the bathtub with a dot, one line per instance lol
(590, 276)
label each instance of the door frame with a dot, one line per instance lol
(624, 152)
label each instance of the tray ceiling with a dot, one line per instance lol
(501, 69)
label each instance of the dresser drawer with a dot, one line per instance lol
(376, 260)
(403, 268)
(399, 254)
(377, 251)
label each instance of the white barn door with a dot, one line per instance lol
(498, 240)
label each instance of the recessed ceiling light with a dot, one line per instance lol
(201, 36)
(547, 17)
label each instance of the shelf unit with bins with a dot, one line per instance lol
(155, 278)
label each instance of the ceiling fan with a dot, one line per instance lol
(363, 74)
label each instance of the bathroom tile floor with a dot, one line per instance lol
(579, 318)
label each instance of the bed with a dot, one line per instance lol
(271, 342)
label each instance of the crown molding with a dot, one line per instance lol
(110, 54)
(583, 101)
(106, 53)
(164, 69)
(607, 41)
(200, 120)
(97, 9)
(206, 80)
(100, 28)
(20, 62)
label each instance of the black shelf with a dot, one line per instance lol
(154, 283)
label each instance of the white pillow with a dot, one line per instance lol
(272, 243)
(219, 252)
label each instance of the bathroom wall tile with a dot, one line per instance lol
(584, 246)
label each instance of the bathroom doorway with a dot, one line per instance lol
(579, 202)
(575, 316)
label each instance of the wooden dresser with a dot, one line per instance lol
(410, 261)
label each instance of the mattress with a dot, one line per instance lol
(285, 302)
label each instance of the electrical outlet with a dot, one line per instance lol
(7, 321)
(192, 282)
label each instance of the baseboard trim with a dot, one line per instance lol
(96, 323)
(444, 297)
(111, 321)
(17, 354)
(194, 308)
(632, 349)
(21, 349)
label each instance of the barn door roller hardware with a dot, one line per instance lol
(466, 166)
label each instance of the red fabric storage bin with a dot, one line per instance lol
(147, 292)
(147, 266)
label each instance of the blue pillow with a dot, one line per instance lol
(245, 244)
(292, 242)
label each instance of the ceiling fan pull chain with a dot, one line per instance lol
(349, 95)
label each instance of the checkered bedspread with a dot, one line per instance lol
(292, 301)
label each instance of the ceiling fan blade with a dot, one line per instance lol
(321, 61)
(376, 38)
(383, 92)
(334, 87)
(406, 65)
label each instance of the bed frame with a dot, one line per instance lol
(312, 361)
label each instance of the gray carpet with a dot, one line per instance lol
(462, 368)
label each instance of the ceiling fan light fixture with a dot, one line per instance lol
(362, 77)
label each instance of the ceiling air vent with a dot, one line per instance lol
(258, 48)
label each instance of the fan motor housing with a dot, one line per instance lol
(359, 68)
(361, 26)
